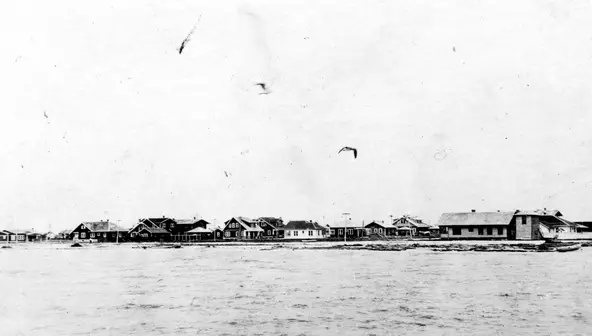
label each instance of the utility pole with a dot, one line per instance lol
(345, 224)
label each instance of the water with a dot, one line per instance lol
(251, 290)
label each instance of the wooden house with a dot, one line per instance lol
(476, 225)
(208, 233)
(348, 229)
(102, 231)
(381, 229)
(18, 235)
(539, 224)
(166, 223)
(182, 226)
(36, 237)
(146, 231)
(64, 234)
(4, 236)
(242, 228)
(413, 226)
(304, 230)
(271, 226)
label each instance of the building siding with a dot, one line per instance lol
(465, 233)
(303, 234)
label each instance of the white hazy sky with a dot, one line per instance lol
(453, 105)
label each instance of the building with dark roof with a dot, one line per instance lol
(147, 230)
(304, 230)
(381, 229)
(242, 228)
(182, 226)
(101, 231)
(271, 226)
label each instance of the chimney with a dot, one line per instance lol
(472, 210)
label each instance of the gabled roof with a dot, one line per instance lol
(153, 229)
(414, 222)
(345, 224)
(304, 225)
(199, 230)
(102, 226)
(246, 224)
(189, 221)
(159, 220)
(274, 221)
(19, 231)
(540, 212)
(475, 218)
(382, 224)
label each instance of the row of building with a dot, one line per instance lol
(513, 225)
(243, 228)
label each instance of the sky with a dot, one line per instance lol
(452, 105)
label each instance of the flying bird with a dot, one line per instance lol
(45, 115)
(349, 149)
(227, 174)
(263, 87)
(188, 38)
(453, 48)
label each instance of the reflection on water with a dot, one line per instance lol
(250, 290)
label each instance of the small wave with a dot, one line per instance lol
(380, 311)
(140, 306)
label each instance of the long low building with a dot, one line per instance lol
(476, 225)
(515, 225)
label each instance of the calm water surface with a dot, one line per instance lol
(254, 290)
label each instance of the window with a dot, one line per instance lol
(471, 229)
(519, 220)
(375, 230)
(340, 231)
(92, 235)
(489, 231)
(227, 234)
(133, 234)
(350, 231)
(332, 232)
(480, 231)
(82, 235)
(500, 231)
(310, 233)
(295, 233)
(379, 230)
(456, 231)
(288, 233)
(269, 232)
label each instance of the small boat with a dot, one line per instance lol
(573, 247)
